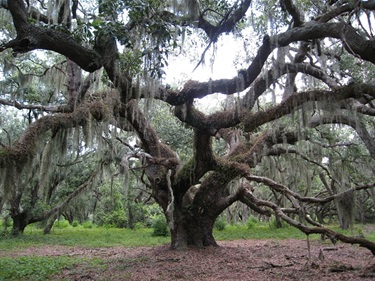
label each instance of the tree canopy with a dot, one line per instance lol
(293, 137)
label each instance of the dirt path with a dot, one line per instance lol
(233, 260)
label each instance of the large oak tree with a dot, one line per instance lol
(124, 46)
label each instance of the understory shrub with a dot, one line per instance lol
(220, 224)
(88, 224)
(116, 219)
(61, 224)
(160, 226)
(251, 222)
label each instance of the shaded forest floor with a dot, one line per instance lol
(232, 260)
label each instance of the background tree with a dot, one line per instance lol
(286, 94)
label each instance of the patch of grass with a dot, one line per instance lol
(110, 237)
(83, 237)
(260, 231)
(34, 268)
(220, 224)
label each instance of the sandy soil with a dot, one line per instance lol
(232, 260)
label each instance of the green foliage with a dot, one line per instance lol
(160, 227)
(153, 211)
(252, 223)
(116, 218)
(261, 231)
(88, 225)
(131, 61)
(172, 131)
(273, 224)
(358, 70)
(84, 237)
(39, 268)
(34, 267)
(61, 224)
(110, 209)
(220, 224)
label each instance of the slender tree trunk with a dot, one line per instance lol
(130, 216)
(69, 216)
(278, 222)
(49, 225)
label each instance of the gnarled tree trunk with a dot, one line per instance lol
(192, 230)
(20, 221)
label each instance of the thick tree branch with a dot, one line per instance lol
(356, 124)
(248, 201)
(52, 109)
(25, 148)
(333, 235)
(315, 200)
(263, 82)
(141, 125)
(227, 24)
(253, 121)
(296, 14)
(232, 117)
(202, 161)
(355, 44)
(30, 37)
(365, 110)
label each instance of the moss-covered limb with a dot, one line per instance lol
(106, 46)
(162, 159)
(51, 109)
(263, 82)
(147, 134)
(253, 120)
(251, 152)
(185, 175)
(26, 146)
(355, 43)
(31, 37)
(244, 193)
(355, 123)
(233, 117)
(333, 235)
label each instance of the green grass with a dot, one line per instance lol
(83, 237)
(263, 231)
(35, 268)
(42, 268)
(111, 237)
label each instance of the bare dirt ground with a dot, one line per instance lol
(232, 260)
